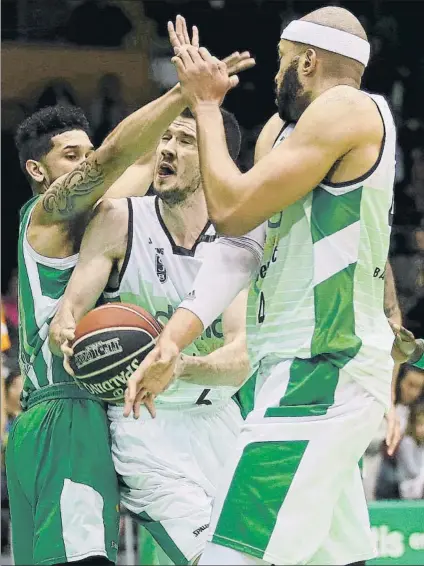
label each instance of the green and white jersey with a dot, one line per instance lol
(42, 282)
(320, 289)
(157, 275)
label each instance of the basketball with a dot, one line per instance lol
(110, 342)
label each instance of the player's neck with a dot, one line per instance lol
(186, 221)
(332, 82)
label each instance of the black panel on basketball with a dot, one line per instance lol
(110, 343)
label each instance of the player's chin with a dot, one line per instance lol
(164, 182)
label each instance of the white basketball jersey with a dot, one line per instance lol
(156, 275)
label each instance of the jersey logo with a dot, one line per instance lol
(192, 295)
(208, 238)
(160, 268)
(150, 241)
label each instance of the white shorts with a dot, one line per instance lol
(292, 491)
(169, 467)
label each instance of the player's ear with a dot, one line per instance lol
(309, 62)
(35, 170)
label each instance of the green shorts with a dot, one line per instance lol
(63, 490)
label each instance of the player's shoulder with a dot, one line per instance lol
(343, 100)
(343, 112)
(111, 212)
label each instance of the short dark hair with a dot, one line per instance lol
(33, 138)
(232, 130)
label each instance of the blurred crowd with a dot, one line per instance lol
(396, 71)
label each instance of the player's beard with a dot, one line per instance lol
(291, 98)
(176, 196)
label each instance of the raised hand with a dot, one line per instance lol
(203, 77)
(238, 62)
(179, 36)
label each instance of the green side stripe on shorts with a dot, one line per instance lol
(245, 396)
(257, 492)
(161, 536)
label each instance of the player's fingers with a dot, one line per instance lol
(195, 37)
(184, 55)
(173, 38)
(185, 30)
(406, 335)
(395, 327)
(149, 403)
(68, 334)
(181, 29)
(139, 399)
(234, 81)
(66, 349)
(241, 66)
(206, 56)
(231, 59)
(193, 52)
(130, 394)
(178, 62)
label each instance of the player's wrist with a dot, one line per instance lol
(205, 107)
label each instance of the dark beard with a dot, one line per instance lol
(173, 197)
(291, 100)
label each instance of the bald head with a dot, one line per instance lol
(307, 70)
(337, 18)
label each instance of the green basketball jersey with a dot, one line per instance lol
(42, 282)
(320, 289)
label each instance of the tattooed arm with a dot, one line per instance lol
(75, 194)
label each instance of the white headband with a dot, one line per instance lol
(329, 39)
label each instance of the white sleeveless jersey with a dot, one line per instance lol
(319, 293)
(157, 275)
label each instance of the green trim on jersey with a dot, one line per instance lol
(54, 280)
(333, 298)
(331, 213)
(40, 288)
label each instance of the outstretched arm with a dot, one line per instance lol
(76, 193)
(339, 121)
(134, 181)
(139, 134)
(226, 271)
(228, 365)
(102, 247)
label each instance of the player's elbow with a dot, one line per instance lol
(228, 224)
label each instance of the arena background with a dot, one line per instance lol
(112, 56)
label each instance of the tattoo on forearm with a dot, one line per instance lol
(84, 180)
